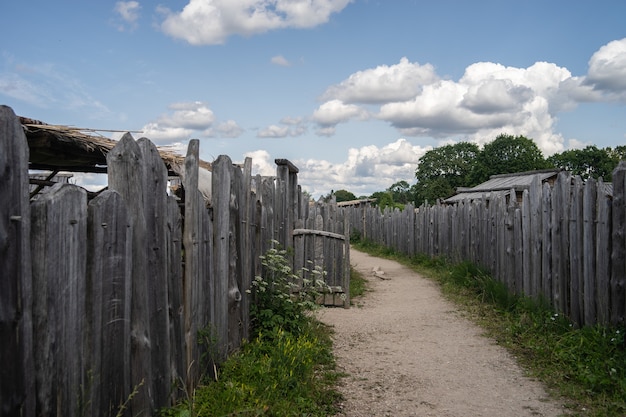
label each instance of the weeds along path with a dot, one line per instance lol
(408, 352)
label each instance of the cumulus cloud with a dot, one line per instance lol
(383, 84)
(229, 129)
(289, 126)
(210, 22)
(607, 68)
(365, 170)
(334, 112)
(262, 164)
(280, 61)
(186, 120)
(127, 14)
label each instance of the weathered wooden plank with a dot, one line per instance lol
(603, 255)
(17, 385)
(194, 266)
(235, 272)
(175, 296)
(527, 252)
(575, 251)
(155, 205)
(127, 176)
(59, 232)
(535, 230)
(589, 216)
(248, 249)
(546, 247)
(222, 171)
(618, 250)
(109, 274)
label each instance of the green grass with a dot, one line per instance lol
(584, 367)
(287, 369)
(358, 285)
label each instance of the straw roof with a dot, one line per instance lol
(67, 148)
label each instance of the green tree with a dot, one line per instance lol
(343, 195)
(590, 162)
(383, 199)
(441, 170)
(507, 154)
(401, 192)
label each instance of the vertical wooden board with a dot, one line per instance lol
(193, 272)
(175, 291)
(535, 229)
(546, 247)
(109, 273)
(589, 243)
(346, 265)
(510, 261)
(155, 205)
(221, 211)
(235, 272)
(603, 255)
(575, 251)
(248, 248)
(126, 175)
(560, 242)
(527, 286)
(17, 385)
(618, 249)
(58, 236)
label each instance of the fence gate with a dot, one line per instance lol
(316, 248)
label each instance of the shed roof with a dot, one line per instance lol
(503, 183)
(68, 148)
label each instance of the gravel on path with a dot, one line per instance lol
(409, 352)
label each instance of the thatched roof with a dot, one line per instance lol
(67, 148)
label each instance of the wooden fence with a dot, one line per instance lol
(120, 303)
(564, 243)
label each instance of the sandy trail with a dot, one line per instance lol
(409, 352)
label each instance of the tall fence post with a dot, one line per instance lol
(618, 254)
(127, 177)
(17, 382)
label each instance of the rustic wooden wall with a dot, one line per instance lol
(565, 243)
(129, 298)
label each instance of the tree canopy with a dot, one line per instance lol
(441, 170)
(590, 162)
(505, 155)
(344, 195)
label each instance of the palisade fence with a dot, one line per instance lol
(564, 243)
(117, 306)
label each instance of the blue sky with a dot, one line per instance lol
(353, 92)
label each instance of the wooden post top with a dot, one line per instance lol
(292, 168)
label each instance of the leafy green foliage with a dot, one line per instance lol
(280, 298)
(590, 162)
(344, 195)
(441, 170)
(288, 368)
(507, 154)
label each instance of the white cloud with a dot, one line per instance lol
(366, 169)
(383, 84)
(209, 22)
(186, 120)
(274, 131)
(229, 129)
(607, 68)
(262, 164)
(281, 61)
(334, 112)
(128, 14)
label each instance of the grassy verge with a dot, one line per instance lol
(287, 369)
(586, 367)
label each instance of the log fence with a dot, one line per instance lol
(121, 303)
(564, 243)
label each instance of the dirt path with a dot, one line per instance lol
(408, 352)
